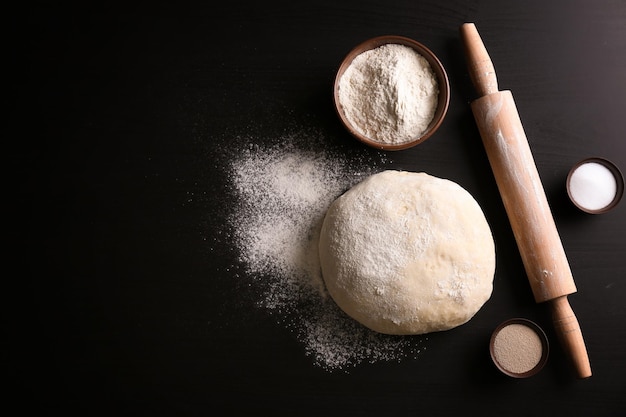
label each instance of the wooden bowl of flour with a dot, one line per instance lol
(391, 92)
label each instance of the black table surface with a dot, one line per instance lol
(128, 297)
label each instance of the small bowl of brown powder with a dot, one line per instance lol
(391, 92)
(519, 348)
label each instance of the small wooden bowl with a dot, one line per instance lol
(545, 348)
(438, 69)
(619, 179)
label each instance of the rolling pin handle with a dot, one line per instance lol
(481, 69)
(571, 338)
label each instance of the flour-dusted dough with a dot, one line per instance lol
(407, 253)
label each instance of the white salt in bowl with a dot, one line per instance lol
(595, 185)
(443, 98)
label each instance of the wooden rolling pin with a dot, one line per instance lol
(524, 198)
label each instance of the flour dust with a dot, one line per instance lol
(282, 195)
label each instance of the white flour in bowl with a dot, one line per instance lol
(389, 94)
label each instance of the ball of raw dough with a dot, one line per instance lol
(407, 253)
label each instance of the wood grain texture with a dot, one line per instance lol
(523, 196)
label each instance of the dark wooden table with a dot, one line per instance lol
(127, 297)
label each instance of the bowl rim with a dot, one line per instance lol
(437, 67)
(545, 347)
(619, 179)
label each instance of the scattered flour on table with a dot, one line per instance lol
(282, 195)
